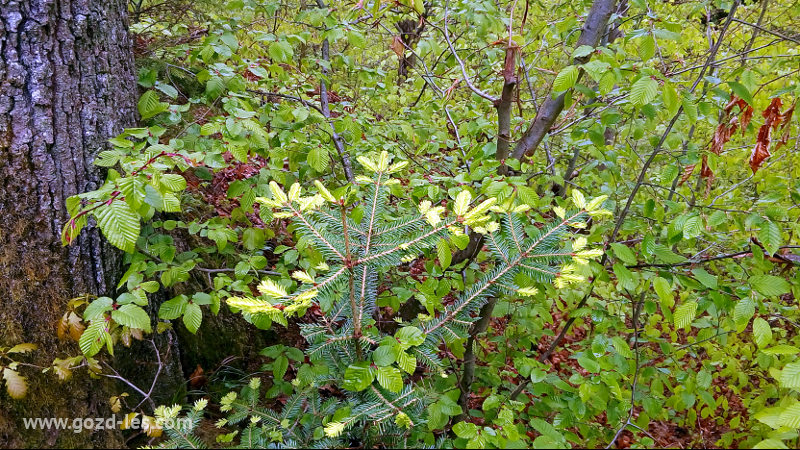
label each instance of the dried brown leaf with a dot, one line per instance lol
(687, 172)
(397, 46)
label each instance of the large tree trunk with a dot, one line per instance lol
(67, 83)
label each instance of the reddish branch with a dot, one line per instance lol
(505, 103)
(116, 195)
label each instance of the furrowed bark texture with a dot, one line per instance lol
(66, 85)
(593, 30)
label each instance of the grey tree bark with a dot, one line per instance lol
(67, 84)
(593, 29)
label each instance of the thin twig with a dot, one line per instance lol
(639, 182)
(474, 89)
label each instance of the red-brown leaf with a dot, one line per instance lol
(773, 113)
(772, 120)
(761, 150)
(397, 46)
(723, 134)
(687, 172)
(786, 118)
(744, 119)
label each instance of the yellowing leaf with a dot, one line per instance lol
(16, 385)
(22, 348)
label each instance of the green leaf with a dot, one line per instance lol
(173, 308)
(300, 113)
(684, 314)
(597, 69)
(318, 158)
(589, 364)
(770, 236)
(671, 100)
(408, 363)
(461, 241)
(253, 239)
(97, 308)
(762, 332)
(358, 377)
(647, 47)
(389, 378)
(170, 203)
(693, 227)
(770, 444)
(150, 286)
(663, 289)
(465, 430)
(409, 337)
(357, 39)
(769, 285)
(93, 337)
(279, 367)
(666, 255)
(239, 152)
(230, 40)
(741, 91)
(22, 348)
(622, 347)
(214, 87)
(742, 313)
(625, 278)
(192, 317)
(790, 416)
(149, 105)
(167, 89)
(781, 349)
(689, 107)
(583, 50)
(119, 224)
(281, 52)
(173, 182)
(109, 158)
(769, 417)
(385, 355)
(790, 376)
(624, 253)
(443, 251)
(704, 379)
(643, 91)
(132, 316)
(708, 280)
(201, 299)
(666, 34)
(607, 82)
(566, 78)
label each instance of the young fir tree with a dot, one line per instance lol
(379, 401)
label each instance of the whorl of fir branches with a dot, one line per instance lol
(372, 367)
